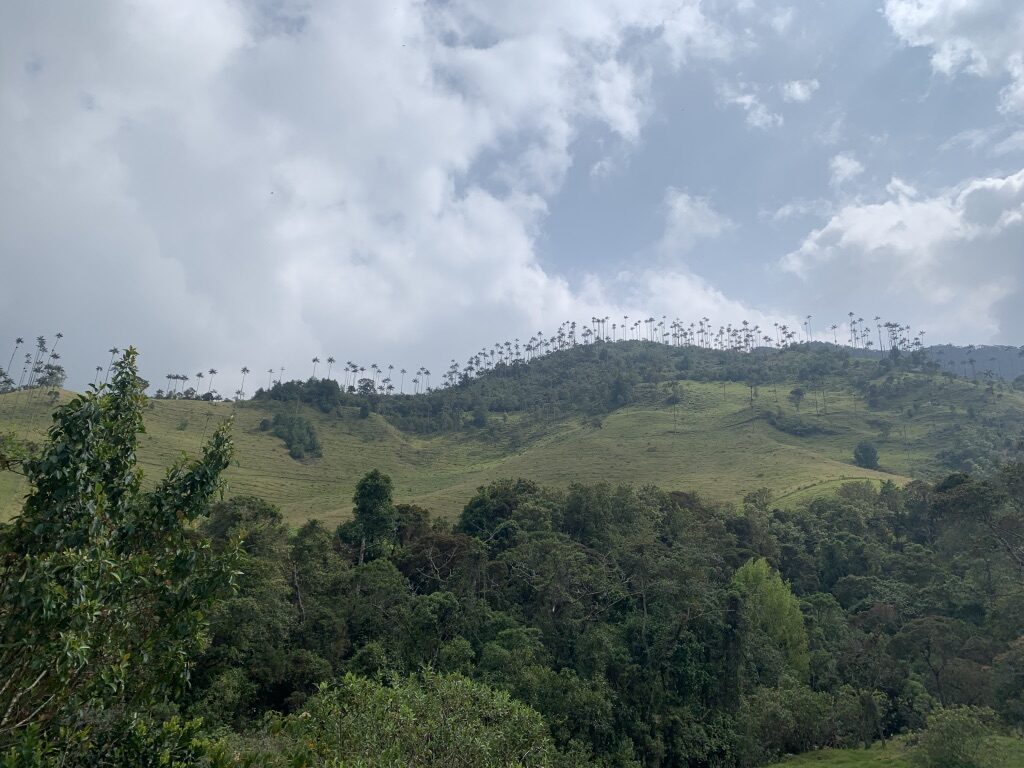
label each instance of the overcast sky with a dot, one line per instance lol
(227, 183)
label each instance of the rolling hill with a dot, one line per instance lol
(721, 439)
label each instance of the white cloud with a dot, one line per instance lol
(844, 167)
(972, 138)
(687, 220)
(981, 37)
(799, 209)
(950, 261)
(1012, 144)
(782, 19)
(233, 183)
(745, 97)
(799, 91)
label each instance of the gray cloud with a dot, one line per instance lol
(907, 254)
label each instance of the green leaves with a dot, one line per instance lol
(103, 587)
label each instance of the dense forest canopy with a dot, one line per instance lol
(597, 625)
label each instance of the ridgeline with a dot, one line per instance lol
(718, 423)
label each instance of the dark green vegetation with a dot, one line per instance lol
(720, 423)
(598, 624)
(298, 434)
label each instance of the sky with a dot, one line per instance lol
(225, 183)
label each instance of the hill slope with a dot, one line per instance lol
(680, 433)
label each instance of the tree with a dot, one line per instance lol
(435, 721)
(956, 738)
(17, 343)
(241, 387)
(103, 585)
(866, 455)
(774, 638)
(113, 352)
(796, 396)
(374, 513)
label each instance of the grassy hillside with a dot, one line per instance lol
(680, 433)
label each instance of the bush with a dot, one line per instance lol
(866, 455)
(435, 720)
(298, 435)
(957, 737)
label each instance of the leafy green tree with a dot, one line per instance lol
(866, 455)
(957, 737)
(244, 668)
(103, 586)
(796, 396)
(774, 637)
(374, 514)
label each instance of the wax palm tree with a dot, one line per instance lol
(53, 350)
(270, 377)
(330, 364)
(316, 360)
(37, 360)
(401, 389)
(17, 343)
(209, 388)
(241, 388)
(99, 370)
(113, 351)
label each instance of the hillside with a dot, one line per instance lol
(678, 430)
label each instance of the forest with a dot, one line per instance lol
(161, 622)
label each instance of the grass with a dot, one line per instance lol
(892, 754)
(711, 442)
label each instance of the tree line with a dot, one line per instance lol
(42, 368)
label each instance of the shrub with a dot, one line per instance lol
(957, 737)
(435, 720)
(866, 455)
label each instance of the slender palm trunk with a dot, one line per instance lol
(11, 361)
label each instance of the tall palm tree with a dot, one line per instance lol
(212, 372)
(316, 360)
(241, 388)
(270, 377)
(401, 389)
(37, 360)
(17, 343)
(330, 364)
(113, 351)
(99, 370)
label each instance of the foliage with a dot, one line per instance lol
(298, 434)
(644, 627)
(774, 638)
(957, 737)
(612, 625)
(866, 455)
(444, 721)
(102, 585)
